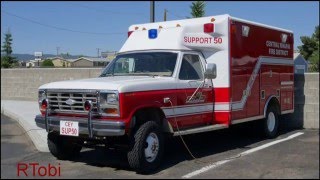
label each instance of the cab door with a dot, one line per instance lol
(198, 110)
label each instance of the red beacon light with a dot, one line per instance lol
(44, 104)
(129, 33)
(88, 105)
(208, 28)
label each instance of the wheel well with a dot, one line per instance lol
(272, 101)
(150, 114)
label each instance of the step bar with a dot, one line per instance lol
(200, 129)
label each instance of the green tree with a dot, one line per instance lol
(47, 63)
(314, 61)
(310, 49)
(197, 9)
(7, 61)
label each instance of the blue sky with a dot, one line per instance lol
(116, 17)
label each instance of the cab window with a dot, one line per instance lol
(191, 68)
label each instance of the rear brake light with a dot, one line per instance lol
(129, 33)
(208, 28)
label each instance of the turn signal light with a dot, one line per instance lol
(208, 28)
(111, 111)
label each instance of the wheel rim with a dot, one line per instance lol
(271, 121)
(152, 147)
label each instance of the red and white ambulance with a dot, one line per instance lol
(176, 77)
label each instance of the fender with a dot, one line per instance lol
(156, 104)
(267, 104)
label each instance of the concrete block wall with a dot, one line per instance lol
(22, 84)
(306, 101)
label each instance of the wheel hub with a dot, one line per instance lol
(152, 147)
(271, 121)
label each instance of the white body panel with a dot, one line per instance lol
(119, 83)
(171, 37)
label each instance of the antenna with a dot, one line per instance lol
(165, 15)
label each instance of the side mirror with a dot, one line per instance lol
(211, 71)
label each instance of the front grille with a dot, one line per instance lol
(57, 102)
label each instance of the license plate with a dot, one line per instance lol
(69, 128)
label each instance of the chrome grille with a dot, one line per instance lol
(57, 102)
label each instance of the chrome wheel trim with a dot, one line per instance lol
(271, 121)
(152, 149)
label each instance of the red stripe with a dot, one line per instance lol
(221, 94)
(222, 117)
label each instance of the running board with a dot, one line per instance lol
(201, 129)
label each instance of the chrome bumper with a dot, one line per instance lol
(99, 127)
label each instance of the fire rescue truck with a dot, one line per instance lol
(174, 78)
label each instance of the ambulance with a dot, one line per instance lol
(174, 78)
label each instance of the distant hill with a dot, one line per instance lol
(27, 57)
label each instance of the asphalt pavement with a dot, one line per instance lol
(24, 113)
(294, 158)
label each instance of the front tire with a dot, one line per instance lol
(147, 148)
(271, 123)
(63, 147)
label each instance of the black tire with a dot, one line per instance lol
(62, 147)
(136, 155)
(272, 131)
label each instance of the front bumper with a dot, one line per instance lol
(99, 127)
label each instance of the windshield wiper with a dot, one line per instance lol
(133, 74)
(139, 74)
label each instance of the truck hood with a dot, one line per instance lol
(119, 83)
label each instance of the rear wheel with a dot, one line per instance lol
(147, 148)
(271, 123)
(63, 147)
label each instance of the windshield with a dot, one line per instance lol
(142, 64)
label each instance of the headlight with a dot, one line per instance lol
(41, 95)
(112, 99)
(109, 104)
